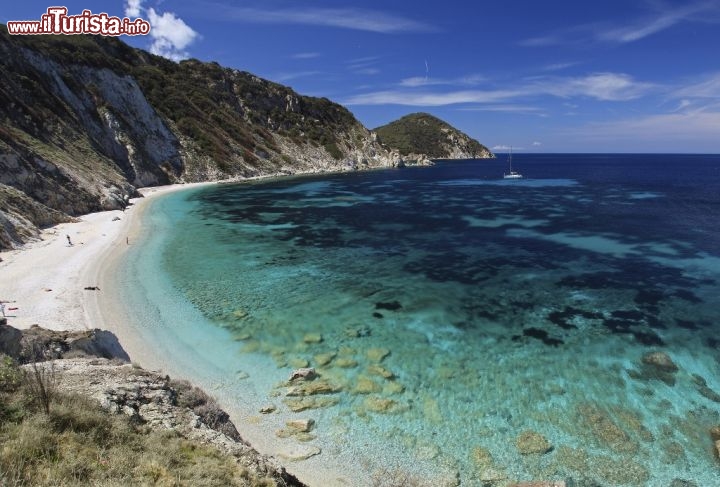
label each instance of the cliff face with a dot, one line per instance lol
(423, 134)
(86, 120)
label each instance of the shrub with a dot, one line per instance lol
(10, 374)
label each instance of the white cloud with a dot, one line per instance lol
(536, 144)
(600, 86)
(416, 81)
(708, 87)
(506, 148)
(292, 76)
(395, 97)
(170, 34)
(306, 55)
(344, 18)
(133, 8)
(559, 66)
(503, 108)
(661, 19)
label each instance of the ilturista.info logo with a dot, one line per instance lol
(57, 21)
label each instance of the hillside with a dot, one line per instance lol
(86, 120)
(422, 133)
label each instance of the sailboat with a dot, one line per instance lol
(512, 174)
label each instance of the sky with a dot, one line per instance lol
(540, 76)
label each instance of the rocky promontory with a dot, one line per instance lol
(420, 136)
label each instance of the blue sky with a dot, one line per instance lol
(551, 76)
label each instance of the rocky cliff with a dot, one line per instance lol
(85, 120)
(92, 364)
(421, 134)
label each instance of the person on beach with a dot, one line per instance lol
(69, 241)
(2, 308)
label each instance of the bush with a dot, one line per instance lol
(10, 374)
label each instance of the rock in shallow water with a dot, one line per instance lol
(296, 453)
(660, 361)
(530, 442)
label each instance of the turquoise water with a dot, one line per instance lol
(448, 312)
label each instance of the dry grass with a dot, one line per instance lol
(78, 443)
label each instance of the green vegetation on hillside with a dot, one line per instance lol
(78, 443)
(422, 133)
(231, 115)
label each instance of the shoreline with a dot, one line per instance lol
(46, 281)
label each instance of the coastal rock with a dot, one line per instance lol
(346, 363)
(312, 388)
(660, 361)
(312, 338)
(304, 373)
(303, 425)
(376, 369)
(601, 428)
(492, 475)
(482, 457)
(162, 404)
(380, 404)
(268, 408)
(656, 366)
(324, 358)
(314, 402)
(530, 442)
(296, 453)
(365, 385)
(377, 354)
(393, 387)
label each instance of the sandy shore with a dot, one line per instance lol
(46, 280)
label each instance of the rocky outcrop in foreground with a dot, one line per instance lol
(99, 370)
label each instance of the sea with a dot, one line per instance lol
(464, 329)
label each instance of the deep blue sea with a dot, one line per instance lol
(463, 326)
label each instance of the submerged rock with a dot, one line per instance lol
(303, 425)
(660, 361)
(492, 475)
(715, 436)
(296, 453)
(313, 338)
(365, 386)
(303, 373)
(313, 402)
(601, 428)
(380, 404)
(658, 366)
(376, 369)
(346, 363)
(530, 442)
(539, 483)
(324, 358)
(377, 354)
(267, 409)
